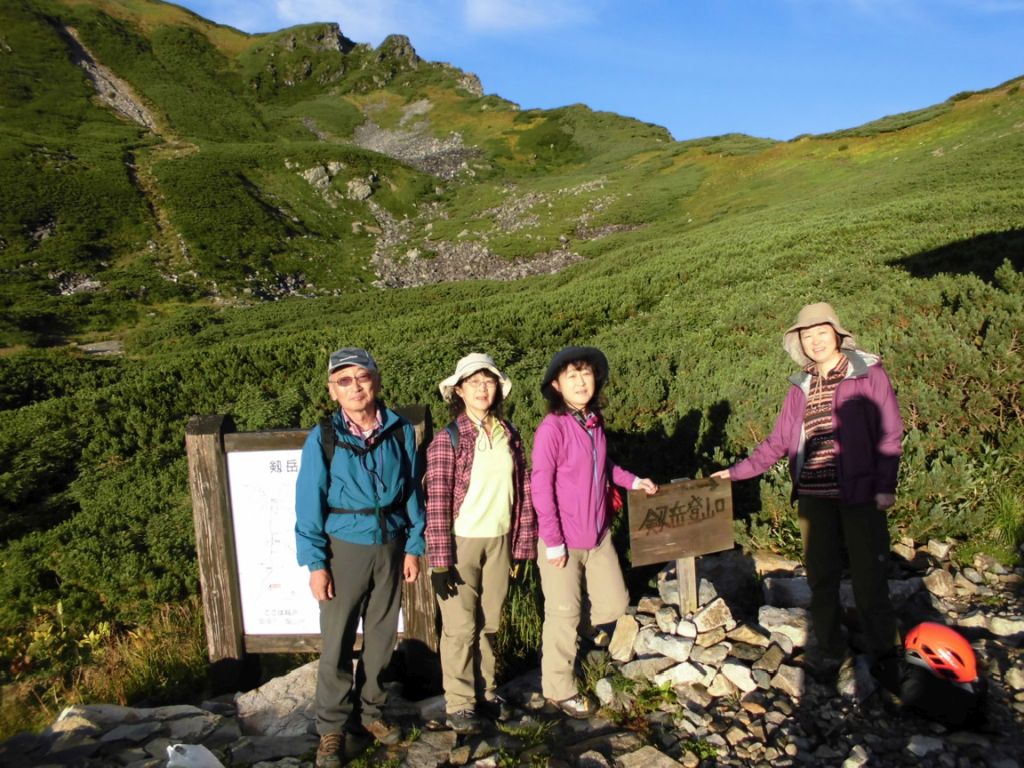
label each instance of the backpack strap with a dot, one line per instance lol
(328, 441)
(453, 434)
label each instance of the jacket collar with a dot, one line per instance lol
(858, 368)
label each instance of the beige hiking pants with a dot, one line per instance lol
(470, 619)
(594, 573)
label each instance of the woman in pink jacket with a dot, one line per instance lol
(840, 429)
(570, 488)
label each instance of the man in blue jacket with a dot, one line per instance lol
(359, 530)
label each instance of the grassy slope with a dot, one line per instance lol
(904, 231)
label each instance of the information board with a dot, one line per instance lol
(275, 591)
(686, 518)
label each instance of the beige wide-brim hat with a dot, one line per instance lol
(811, 315)
(466, 367)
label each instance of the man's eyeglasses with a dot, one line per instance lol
(346, 381)
(484, 382)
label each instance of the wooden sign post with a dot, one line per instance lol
(684, 519)
(255, 596)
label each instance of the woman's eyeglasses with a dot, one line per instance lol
(482, 383)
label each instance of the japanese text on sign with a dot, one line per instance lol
(684, 519)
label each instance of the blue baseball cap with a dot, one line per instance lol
(347, 356)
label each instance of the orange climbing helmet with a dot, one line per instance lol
(944, 651)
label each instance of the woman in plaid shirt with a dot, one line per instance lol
(479, 518)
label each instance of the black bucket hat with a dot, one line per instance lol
(563, 357)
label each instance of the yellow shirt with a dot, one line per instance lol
(487, 509)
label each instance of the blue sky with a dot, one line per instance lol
(772, 68)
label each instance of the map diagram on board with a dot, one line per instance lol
(274, 588)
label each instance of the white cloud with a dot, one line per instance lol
(516, 15)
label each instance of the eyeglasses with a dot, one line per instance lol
(346, 381)
(483, 382)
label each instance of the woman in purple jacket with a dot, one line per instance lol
(840, 428)
(570, 488)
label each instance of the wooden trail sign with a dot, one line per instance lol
(684, 519)
(255, 597)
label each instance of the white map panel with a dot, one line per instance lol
(275, 589)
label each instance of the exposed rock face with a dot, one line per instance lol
(110, 89)
(323, 37)
(749, 697)
(397, 49)
(444, 158)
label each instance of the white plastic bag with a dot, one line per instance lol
(191, 756)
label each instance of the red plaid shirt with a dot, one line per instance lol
(446, 483)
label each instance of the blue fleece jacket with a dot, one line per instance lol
(387, 474)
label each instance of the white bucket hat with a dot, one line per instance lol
(811, 315)
(466, 367)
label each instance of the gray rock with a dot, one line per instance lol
(940, 583)
(746, 652)
(686, 628)
(283, 706)
(739, 675)
(604, 691)
(1006, 626)
(669, 591)
(745, 633)
(686, 672)
(621, 646)
(705, 592)
(646, 757)
(649, 605)
(715, 614)
(674, 647)
(789, 680)
(192, 730)
(924, 745)
(972, 575)
(785, 642)
(794, 623)
(667, 618)
(1014, 678)
(430, 750)
(254, 749)
(646, 667)
(976, 619)
(858, 758)
(713, 656)
(592, 759)
(714, 637)
(939, 549)
(770, 659)
(134, 733)
(641, 645)
(721, 686)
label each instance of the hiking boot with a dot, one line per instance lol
(496, 709)
(578, 707)
(386, 731)
(823, 667)
(464, 722)
(328, 752)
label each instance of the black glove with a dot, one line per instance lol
(445, 582)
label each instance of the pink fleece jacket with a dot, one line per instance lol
(569, 482)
